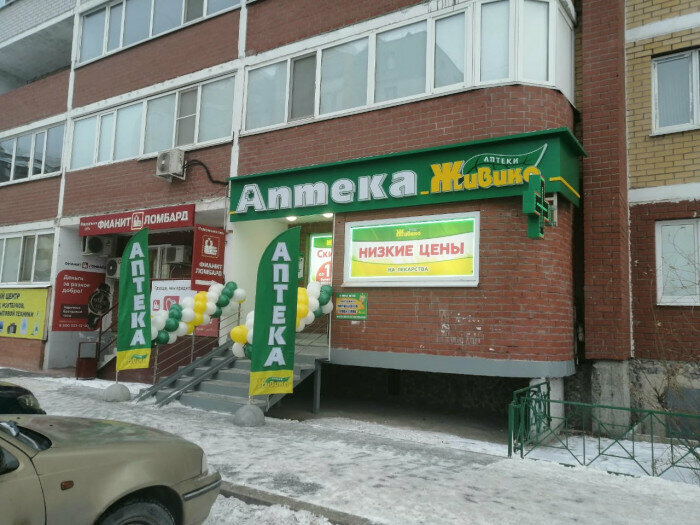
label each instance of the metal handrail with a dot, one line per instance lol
(196, 379)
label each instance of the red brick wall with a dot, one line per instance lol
(660, 332)
(25, 354)
(479, 114)
(132, 184)
(34, 200)
(273, 23)
(522, 308)
(40, 99)
(604, 181)
(196, 47)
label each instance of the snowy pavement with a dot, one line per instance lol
(382, 473)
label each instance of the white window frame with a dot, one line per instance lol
(694, 94)
(79, 62)
(669, 300)
(33, 135)
(21, 236)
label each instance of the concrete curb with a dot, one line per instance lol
(261, 497)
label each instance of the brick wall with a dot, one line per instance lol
(40, 99)
(25, 354)
(132, 184)
(522, 308)
(660, 332)
(663, 159)
(29, 201)
(274, 23)
(641, 12)
(205, 44)
(604, 181)
(473, 115)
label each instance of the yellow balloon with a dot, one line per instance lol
(198, 319)
(302, 291)
(239, 334)
(190, 328)
(302, 311)
(199, 306)
(201, 296)
(302, 299)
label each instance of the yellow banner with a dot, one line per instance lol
(464, 266)
(131, 359)
(271, 382)
(23, 312)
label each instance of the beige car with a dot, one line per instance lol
(64, 470)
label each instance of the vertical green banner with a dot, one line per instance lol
(134, 329)
(272, 358)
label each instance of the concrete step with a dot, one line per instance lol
(233, 374)
(228, 388)
(220, 403)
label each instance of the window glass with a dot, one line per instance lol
(160, 120)
(83, 149)
(104, 149)
(44, 253)
(167, 14)
(400, 62)
(193, 9)
(115, 26)
(27, 260)
(673, 91)
(38, 162)
(344, 76)
(7, 148)
(679, 267)
(535, 40)
(186, 117)
(216, 111)
(128, 132)
(266, 96)
(10, 264)
(303, 87)
(137, 21)
(54, 149)
(449, 50)
(93, 35)
(564, 69)
(495, 33)
(22, 157)
(214, 6)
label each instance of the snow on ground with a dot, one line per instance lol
(232, 510)
(385, 474)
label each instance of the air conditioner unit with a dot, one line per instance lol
(98, 245)
(113, 266)
(178, 254)
(171, 163)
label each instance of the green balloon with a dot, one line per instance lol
(163, 337)
(324, 298)
(217, 313)
(327, 288)
(231, 286)
(318, 313)
(247, 349)
(171, 324)
(176, 306)
(174, 313)
(223, 301)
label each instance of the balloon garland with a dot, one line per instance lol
(199, 309)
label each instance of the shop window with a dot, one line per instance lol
(266, 96)
(678, 262)
(450, 49)
(400, 65)
(344, 76)
(26, 258)
(677, 93)
(31, 155)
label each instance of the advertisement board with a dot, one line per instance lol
(437, 250)
(351, 306)
(207, 257)
(81, 297)
(165, 293)
(166, 218)
(320, 258)
(23, 312)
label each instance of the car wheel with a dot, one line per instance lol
(138, 512)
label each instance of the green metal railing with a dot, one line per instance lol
(618, 439)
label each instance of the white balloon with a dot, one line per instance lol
(187, 302)
(206, 318)
(239, 295)
(313, 304)
(172, 337)
(313, 289)
(249, 338)
(154, 332)
(164, 314)
(158, 322)
(210, 309)
(238, 350)
(181, 329)
(250, 315)
(249, 324)
(187, 315)
(310, 318)
(301, 326)
(327, 308)
(212, 297)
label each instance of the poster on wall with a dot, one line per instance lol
(351, 306)
(23, 312)
(207, 257)
(320, 258)
(437, 250)
(165, 293)
(81, 298)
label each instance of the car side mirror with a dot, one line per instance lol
(8, 462)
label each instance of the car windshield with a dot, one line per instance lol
(24, 435)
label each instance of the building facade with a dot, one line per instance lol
(410, 136)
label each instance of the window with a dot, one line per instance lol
(127, 137)
(26, 258)
(401, 62)
(677, 92)
(678, 262)
(131, 21)
(31, 155)
(266, 96)
(344, 76)
(450, 53)
(534, 42)
(495, 41)
(303, 87)
(160, 123)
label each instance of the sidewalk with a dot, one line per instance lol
(370, 473)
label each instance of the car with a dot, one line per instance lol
(67, 470)
(15, 399)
